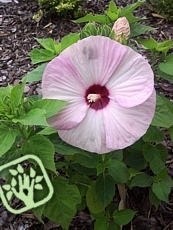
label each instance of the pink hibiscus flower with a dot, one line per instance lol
(110, 93)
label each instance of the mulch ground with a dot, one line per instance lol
(17, 33)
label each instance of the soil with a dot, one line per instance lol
(18, 31)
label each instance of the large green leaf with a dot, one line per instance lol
(141, 180)
(62, 147)
(41, 147)
(36, 74)
(148, 43)
(33, 117)
(166, 67)
(119, 171)
(69, 39)
(162, 189)
(102, 223)
(42, 55)
(47, 43)
(61, 207)
(7, 138)
(123, 217)
(89, 160)
(17, 95)
(137, 29)
(51, 106)
(153, 134)
(153, 156)
(105, 189)
(164, 113)
(131, 8)
(93, 202)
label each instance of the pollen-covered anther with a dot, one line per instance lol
(93, 97)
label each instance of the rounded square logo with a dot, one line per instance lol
(25, 184)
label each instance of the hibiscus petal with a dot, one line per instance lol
(89, 134)
(132, 82)
(62, 81)
(95, 58)
(124, 126)
(70, 116)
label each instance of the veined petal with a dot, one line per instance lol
(132, 82)
(70, 116)
(124, 126)
(95, 58)
(62, 81)
(89, 134)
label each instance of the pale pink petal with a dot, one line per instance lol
(95, 58)
(132, 82)
(62, 81)
(89, 134)
(124, 126)
(70, 116)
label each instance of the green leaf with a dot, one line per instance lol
(134, 158)
(153, 134)
(42, 148)
(38, 187)
(123, 217)
(148, 43)
(102, 223)
(131, 19)
(141, 180)
(114, 226)
(47, 43)
(164, 46)
(130, 8)
(89, 160)
(112, 7)
(7, 138)
(42, 55)
(93, 202)
(171, 133)
(69, 39)
(51, 106)
(164, 113)
(119, 171)
(154, 199)
(137, 29)
(153, 156)
(64, 201)
(117, 154)
(166, 67)
(47, 131)
(33, 117)
(17, 95)
(36, 74)
(165, 76)
(62, 147)
(162, 189)
(93, 18)
(105, 189)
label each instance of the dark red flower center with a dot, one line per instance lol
(97, 97)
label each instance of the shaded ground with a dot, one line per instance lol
(17, 32)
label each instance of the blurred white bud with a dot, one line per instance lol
(121, 29)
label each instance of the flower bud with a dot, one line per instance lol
(121, 29)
